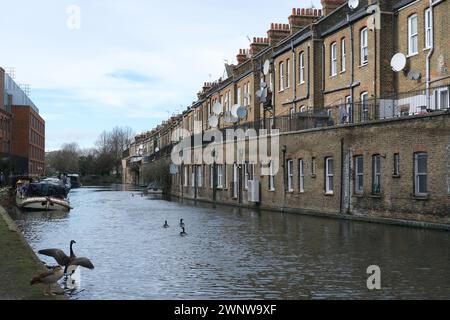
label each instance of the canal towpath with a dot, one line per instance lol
(18, 264)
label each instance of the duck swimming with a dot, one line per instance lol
(182, 223)
(166, 225)
(183, 233)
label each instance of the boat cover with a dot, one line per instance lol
(45, 190)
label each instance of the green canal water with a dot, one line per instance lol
(233, 253)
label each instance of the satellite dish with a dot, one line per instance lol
(242, 112)
(414, 75)
(353, 4)
(213, 121)
(263, 85)
(398, 62)
(247, 96)
(234, 110)
(157, 150)
(266, 67)
(217, 108)
(259, 93)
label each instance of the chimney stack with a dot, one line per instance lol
(328, 6)
(278, 32)
(258, 45)
(302, 18)
(242, 56)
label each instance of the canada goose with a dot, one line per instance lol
(183, 233)
(182, 223)
(166, 225)
(48, 278)
(65, 261)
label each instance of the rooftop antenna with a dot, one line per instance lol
(249, 40)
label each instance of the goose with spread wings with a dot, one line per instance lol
(65, 261)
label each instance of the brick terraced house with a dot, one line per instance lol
(361, 99)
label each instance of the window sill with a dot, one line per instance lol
(272, 190)
(421, 197)
(343, 71)
(359, 195)
(375, 196)
(412, 55)
(333, 76)
(396, 176)
(426, 49)
(313, 176)
(364, 65)
(302, 83)
(329, 194)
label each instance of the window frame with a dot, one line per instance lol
(302, 67)
(343, 55)
(359, 174)
(288, 73)
(413, 38)
(333, 60)
(418, 175)
(281, 72)
(301, 175)
(290, 175)
(271, 177)
(364, 46)
(329, 177)
(376, 174)
(428, 25)
(364, 108)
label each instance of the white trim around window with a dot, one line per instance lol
(333, 59)
(329, 176)
(343, 55)
(302, 68)
(428, 29)
(301, 175)
(413, 35)
(290, 175)
(364, 46)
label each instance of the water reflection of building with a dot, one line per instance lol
(22, 130)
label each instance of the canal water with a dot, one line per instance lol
(233, 253)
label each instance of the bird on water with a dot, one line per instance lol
(166, 225)
(48, 279)
(183, 233)
(182, 223)
(68, 261)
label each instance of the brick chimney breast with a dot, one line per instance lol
(329, 6)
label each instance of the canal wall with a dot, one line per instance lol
(395, 198)
(18, 264)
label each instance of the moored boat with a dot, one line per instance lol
(42, 196)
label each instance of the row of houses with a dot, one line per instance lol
(360, 96)
(22, 130)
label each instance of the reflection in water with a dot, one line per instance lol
(233, 253)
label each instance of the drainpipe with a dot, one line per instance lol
(352, 66)
(428, 62)
(294, 72)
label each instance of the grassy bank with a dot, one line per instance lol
(18, 264)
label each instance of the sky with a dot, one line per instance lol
(96, 64)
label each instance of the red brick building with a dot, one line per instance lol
(22, 131)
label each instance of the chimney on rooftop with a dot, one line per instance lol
(278, 32)
(258, 45)
(329, 6)
(302, 18)
(242, 56)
